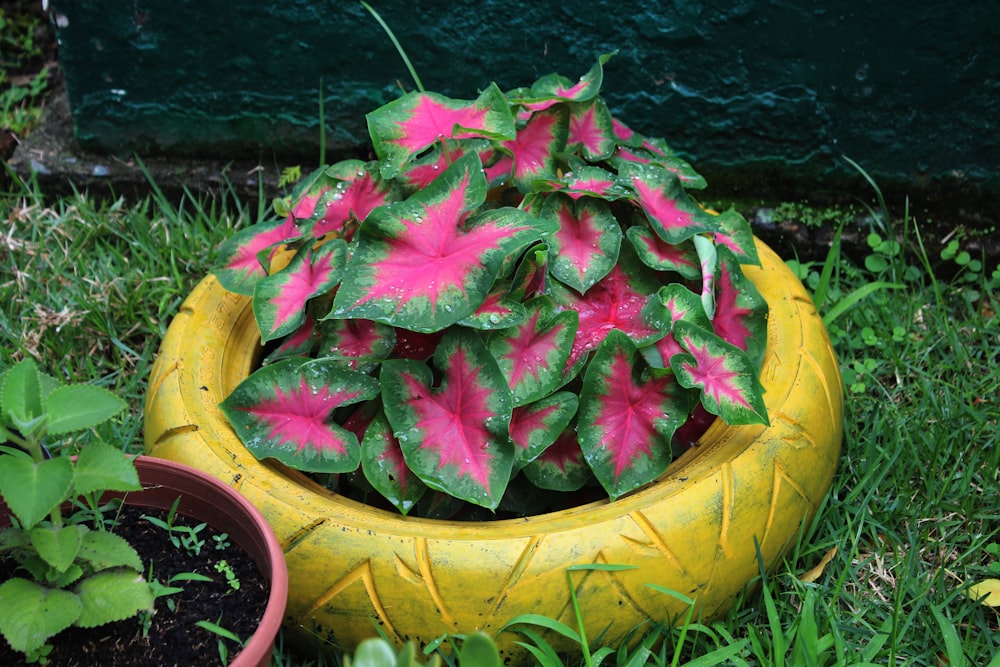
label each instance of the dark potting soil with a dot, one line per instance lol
(173, 639)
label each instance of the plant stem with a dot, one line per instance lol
(395, 42)
(322, 125)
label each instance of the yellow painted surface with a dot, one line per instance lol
(693, 531)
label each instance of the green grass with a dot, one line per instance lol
(89, 288)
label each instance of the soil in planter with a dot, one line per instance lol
(173, 637)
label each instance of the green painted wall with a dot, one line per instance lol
(910, 90)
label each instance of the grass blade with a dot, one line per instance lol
(542, 622)
(719, 656)
(854, 297)
(952, 642)
(773, 618)
(395, 42)
(832, 258)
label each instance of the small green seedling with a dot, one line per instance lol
(223, 634)
(164, 590)
(223, 567)
(221, 541)
(182, 537)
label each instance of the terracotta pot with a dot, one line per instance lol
(206, 499)
(693, 531)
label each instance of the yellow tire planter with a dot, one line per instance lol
(350, 565)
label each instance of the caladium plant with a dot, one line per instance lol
(519, 292)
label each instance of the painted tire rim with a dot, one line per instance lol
(693, 531)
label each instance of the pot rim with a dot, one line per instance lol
(253, 534)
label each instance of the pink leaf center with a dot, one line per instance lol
(710, 372)
(579, 238)
(660, 207)
(610, 304)
(729, 317)
(532, 147)
(584, 130)
(454, 419)
(431, 120)
(628, 415)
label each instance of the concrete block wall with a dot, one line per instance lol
(909, 90)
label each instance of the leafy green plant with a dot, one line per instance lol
(520, 294)
(290, 175)
(23, 78)
(19, 111)
(223, 634)
(75, 575)
(473, 650)
(17, 36)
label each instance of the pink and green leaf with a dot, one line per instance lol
(585, 181)
(535, 426)
(405, 127)
(586, 247)
(498, 311)
(554, 88)
(535, 149)
(656, 253)
(591, 130)
(657, 153)
(355, 190)
(385, 469)
(561, 467)
(240, 266)
(424, 264)
(741, 312)
(355, 341)
(307, 202)
(684, 172)
(626, 299)
(301, 203)
(422, 171)
(498, 165)
(531, 276)
(279, 300)
(454, 436)
(735, 234)
(670, 211)
(634, 147)
(299, 343)
(724, 373)
(533, 354)
(284, 411)
(683, 305)
(625, 135)
(627, 417)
